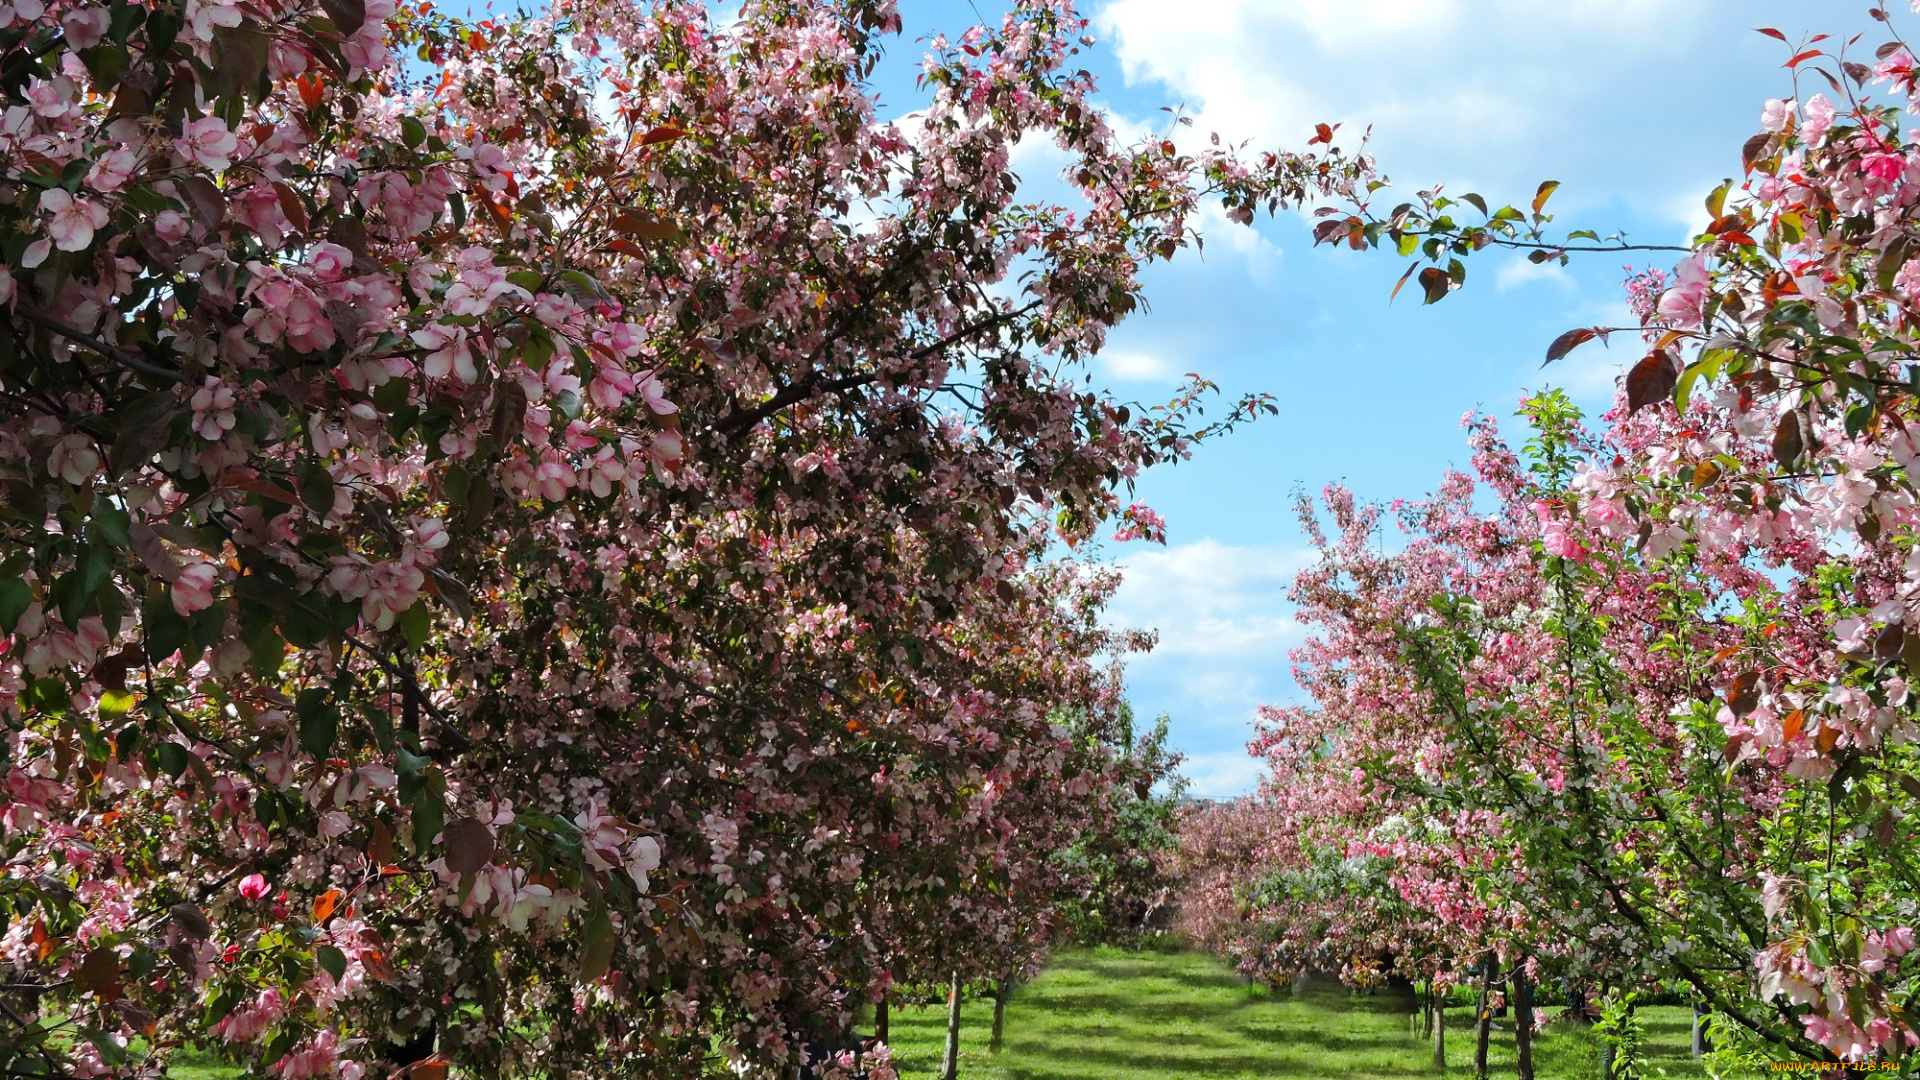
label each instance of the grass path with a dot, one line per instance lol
(1112, 1015)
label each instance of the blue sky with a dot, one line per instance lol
(1638, 106)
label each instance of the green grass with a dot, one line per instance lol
(1106, 1014)
(1112, 1015)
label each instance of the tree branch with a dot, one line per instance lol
(814, 384)
(124, 359)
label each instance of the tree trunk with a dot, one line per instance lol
(1523, 1020)
(1437, 1018)
(950, 1064)
(1607, 1053)
(1699, 1031)
(880, 1018)
(1483, 1016)
(1000, 995)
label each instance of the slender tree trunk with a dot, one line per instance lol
(1483, 1017)
(950, 1064)
(1699, 1031)
(1523, 1020)
(1437, 1018)
(880, 1018)
(1001, 993)
(1608, 1052)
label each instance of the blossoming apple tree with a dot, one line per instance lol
(1652, 716)
(526, 540)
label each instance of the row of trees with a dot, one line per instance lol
(527, 542)
(1635, 706)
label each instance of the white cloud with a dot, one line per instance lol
(1125, 365)
(1210, 600)
(1225, 628)
(1519, 272)
(1222, 775)
(1491, 93)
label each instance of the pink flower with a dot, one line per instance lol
(84, 27)
(1776, 115)
(1899, 940)
(654, 394)
(1683, 303)
(318, 1058)
(193, 589)
(330, 262)
(1897, 67)
(1141, 522)
(73, 459)
(112, 169)
(452, 354)
(253, 886)
(1554, 536)
(208, 143)
(170, 225)
(1820, 116)
(212, 409)
(72, 221)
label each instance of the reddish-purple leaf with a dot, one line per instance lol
(470, 846)
(1568, 342)
(1651, 381)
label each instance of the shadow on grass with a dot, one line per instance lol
(1110, 1015)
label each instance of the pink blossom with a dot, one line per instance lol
(1682, 304)
(71, 222)
(208, 143)
(170, 225)
(84, 26)
(212, 406)
(330, 262)
(1820, 117)
(111, 170)
(73, 459)
(1776, 115)
(193, 589)
(254, 886)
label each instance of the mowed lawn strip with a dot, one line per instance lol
(1107, 1014)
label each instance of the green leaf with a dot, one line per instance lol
(319, 722)
(412, 132)
(332, 961)
(115, 704)
(266, 651)
(416, 623)
(111, 1051)
(411, 764)
(429, 817)
(16, 596)
(73, 591)
(112, 524)
(173, 759)
(315, 486)
(596, 946)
